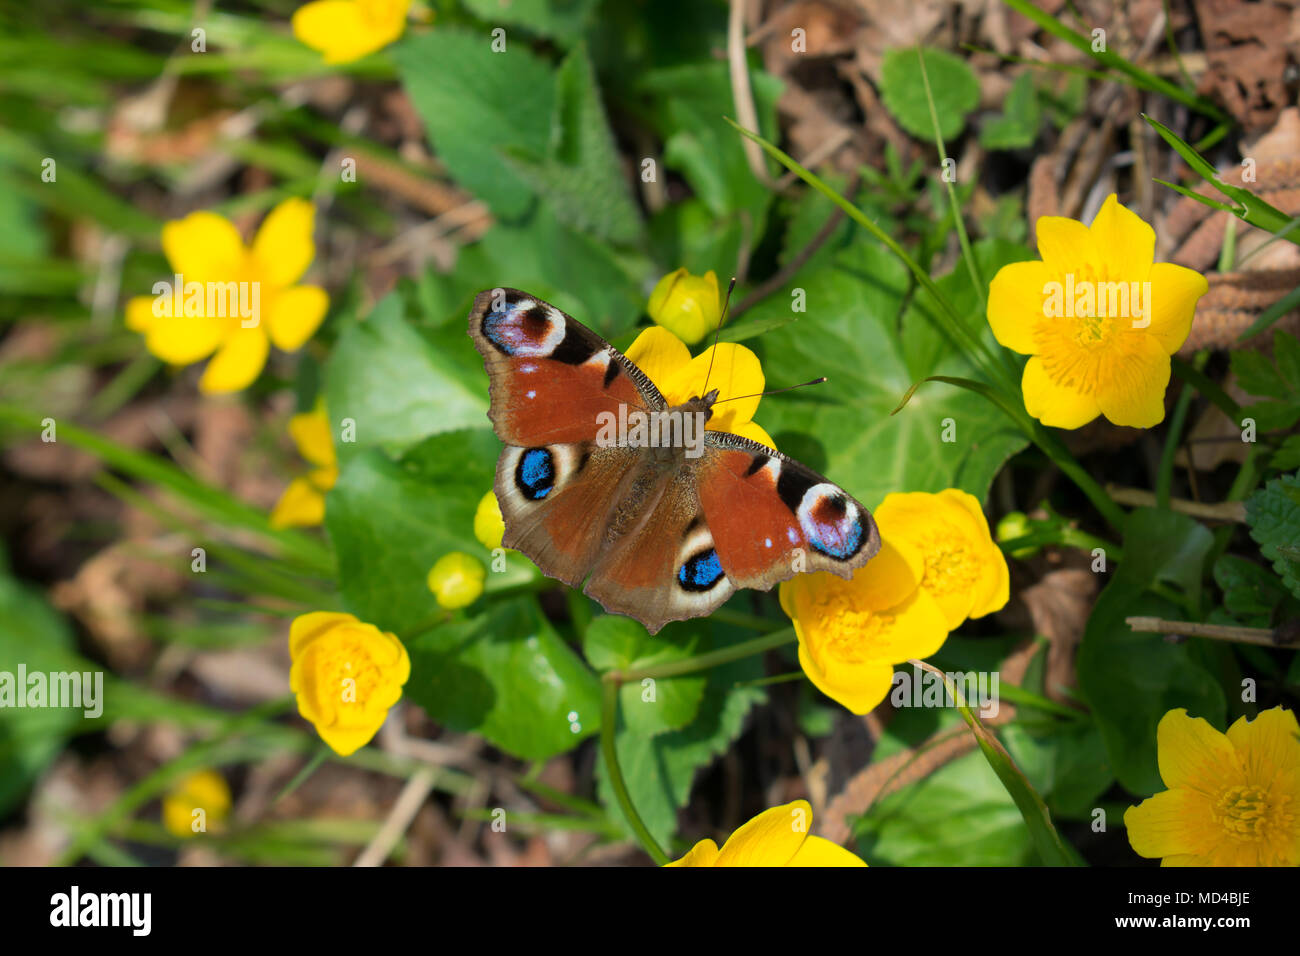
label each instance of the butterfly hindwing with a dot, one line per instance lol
(550, 376)
(771, 516)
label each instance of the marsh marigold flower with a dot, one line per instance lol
(736, 371)
(776, 837)
(346, 674)
(687, 305)
(1233, 799)
(206, 251)
(303, 502)
(965, 571)
(456, 580)
(197, 803)
(347, 30)
(1099, 318)
(852, 633)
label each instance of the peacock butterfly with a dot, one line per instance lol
(654, 531)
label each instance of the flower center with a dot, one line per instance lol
(353, 675)
(1247, 813)
(949, 565)
(845, 632)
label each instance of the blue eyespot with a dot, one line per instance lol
(535, 473)
(839, 541)
(700, 572)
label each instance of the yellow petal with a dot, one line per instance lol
(1131, 387)
(307, 627)
(1053, 404)
(237, 364)
(1122, 240)
(704, 853)
(819, 851)
(346, 30)
(770, 839)
(914, 628)
(1193, 754)
(346, 740)
(301, 506)
(310, 432)
(284, 246)
(994, 590)
(754, 432)
(1064, 244)
(183, 340)
(1171, 823)
(659, 354)
(139, 313)
(1268, 746)
(1016, 304)
(1175, 291)
(204, 247)
(736, 371)
(295, 316)
(858, 687)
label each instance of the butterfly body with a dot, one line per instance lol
(658, 531)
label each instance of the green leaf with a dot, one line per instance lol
(1131, 679)
(620, 643)
(1250, 593)
(1286, 352)
(1257, 375)
(476, 105)
(1287, 456)
(582, 174)
(1017, 127)
(1066, 764)
(690, 103)
(1273, 514)
(960, 815)
(507, 675)
(34, 635)
(390, 521)
(562, 20)
(400, 384)
(844, 428)
(956, 91)
(661, 769)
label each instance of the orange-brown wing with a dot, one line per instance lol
(771, 516)
(550, 377)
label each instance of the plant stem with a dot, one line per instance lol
(700, 662)
(1139, 498)
(608, 749)
(1262, 636)
(1165, 474)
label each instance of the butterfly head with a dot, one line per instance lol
(705, 404)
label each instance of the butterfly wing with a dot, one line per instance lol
(550, 376)
(771, 517)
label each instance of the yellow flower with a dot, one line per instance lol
(736, 371)
(776, 837)
(688, 306)
(965, 571)
(489, 525)
(216, 269)
(1233, 799)
(196, 803)
(456, 580)
(303, 502)
(852, 633)
(347, 30)
(1098, 316)
(346, 674)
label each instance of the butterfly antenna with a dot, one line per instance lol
(716, 332)
(775, 391)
